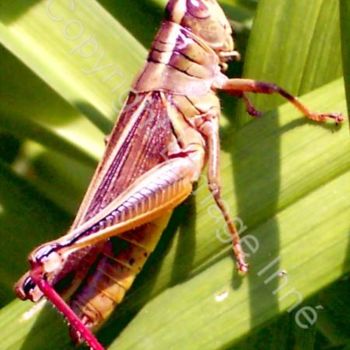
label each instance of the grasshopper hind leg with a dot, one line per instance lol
(111, 277)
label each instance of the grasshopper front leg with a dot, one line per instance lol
(239, 87)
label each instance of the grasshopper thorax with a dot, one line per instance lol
(205, 19)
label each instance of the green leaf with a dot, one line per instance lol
(282, 334)
(59, 40)
(31, 109)
(26, 219)
(297, 45)
(345, 36)
(61, 179)
(335, 318)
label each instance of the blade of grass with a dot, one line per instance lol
(31, 109)
(297, 47)
(26, 219)
(335, 318)
(61, 179)
(345, 36)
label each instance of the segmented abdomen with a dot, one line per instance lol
(114, 272)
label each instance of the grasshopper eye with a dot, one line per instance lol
(198, 9)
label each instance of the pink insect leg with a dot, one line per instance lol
(62, 307)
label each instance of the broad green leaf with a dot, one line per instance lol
(30, 109)
(295, 44)
(69, 46)
(282, 334)
(148, 13)
(9, 147)
(61, 179)
(26, 218)
(55, 138)
(335, 318)
(345, 35)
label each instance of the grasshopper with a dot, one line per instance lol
(167, 132)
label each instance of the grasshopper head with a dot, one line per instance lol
(204, 18)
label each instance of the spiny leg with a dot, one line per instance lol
(210, 131)
(242, 86)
